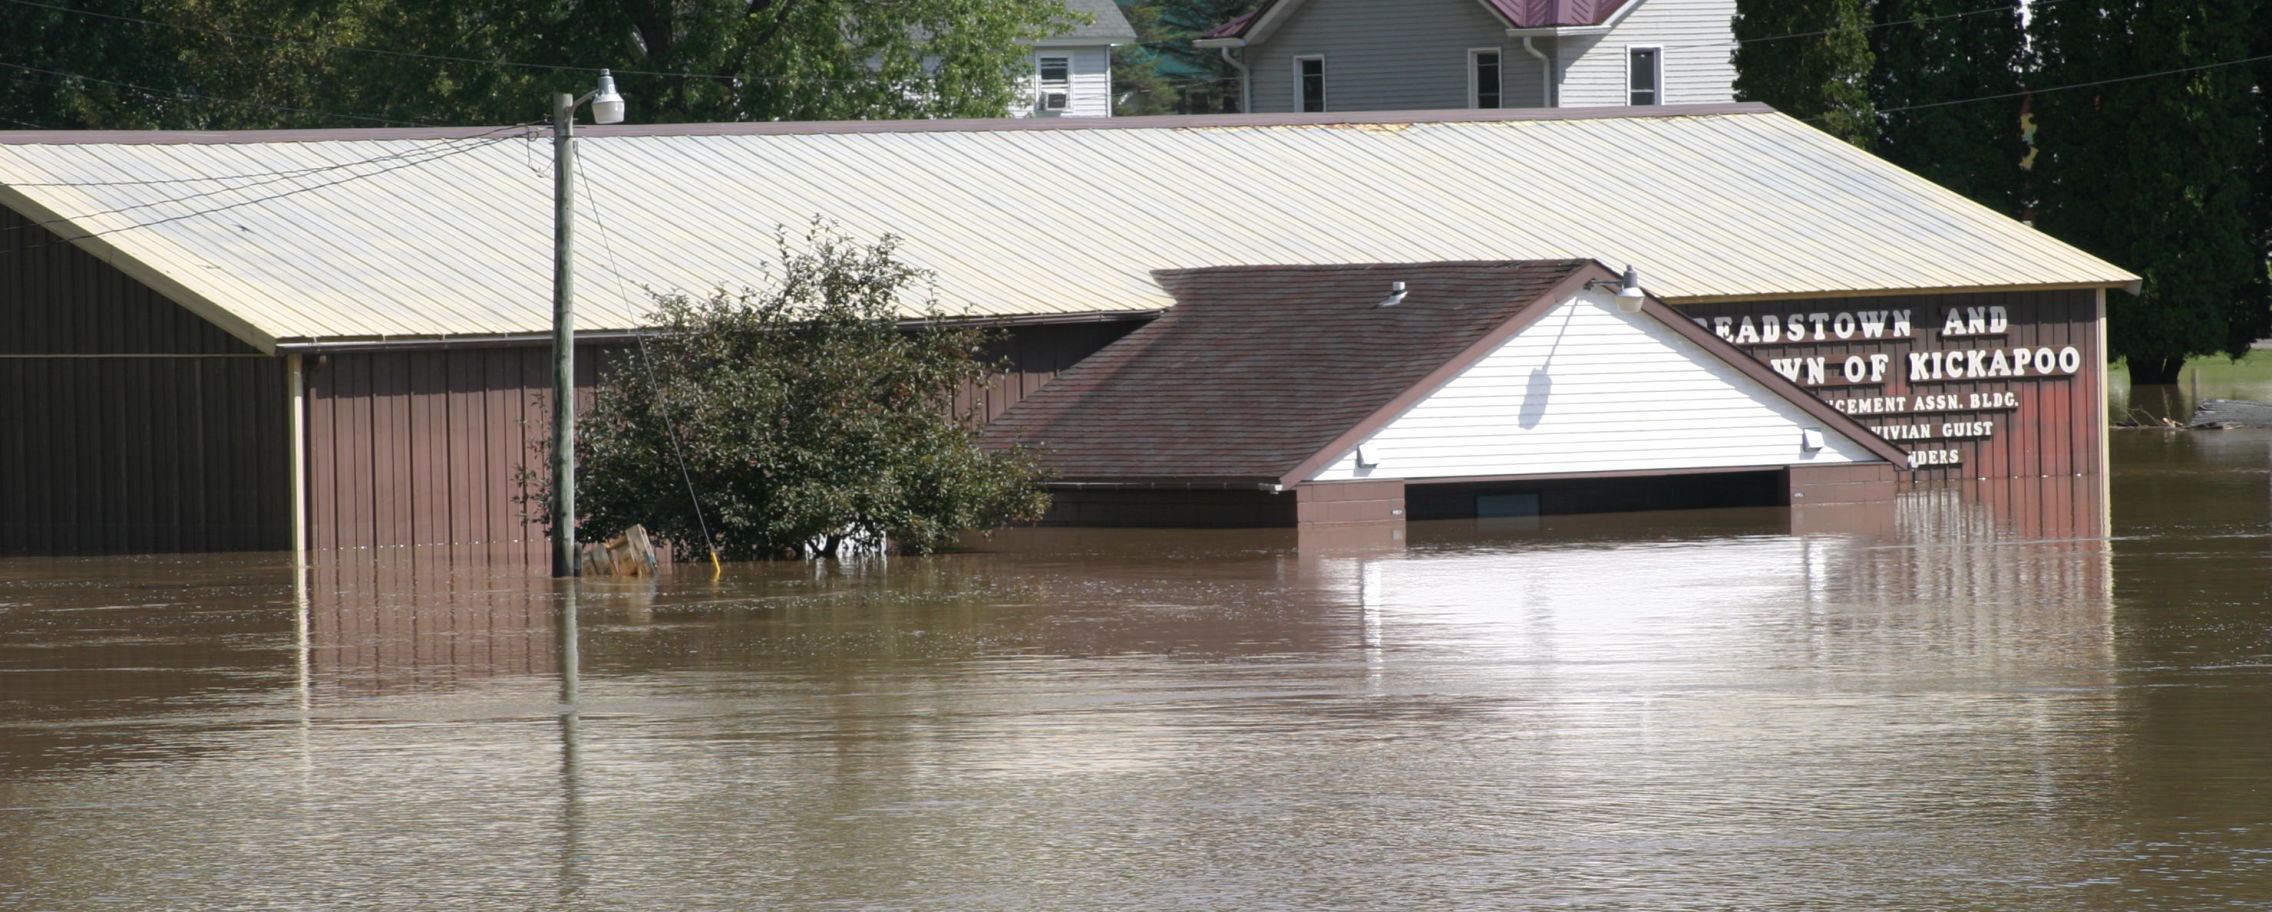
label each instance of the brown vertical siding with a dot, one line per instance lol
(420, 447)
(1036, 355)
(127, 423)
(2057, 427)
(410, 448)
(423, 447)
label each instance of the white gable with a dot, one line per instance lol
(1587, 388)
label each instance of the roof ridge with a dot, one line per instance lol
(828, 127)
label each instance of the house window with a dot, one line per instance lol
(1309, 84)
(1644, 73)
(1056, 83)
(1483, 78)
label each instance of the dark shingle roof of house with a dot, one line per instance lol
(1517, 13)
(1108, 24)
(1259, 368)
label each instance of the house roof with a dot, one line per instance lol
(1524, 14)
(1106, 25)
(340, 235)
(1260, 374)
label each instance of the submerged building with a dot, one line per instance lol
(334, 339)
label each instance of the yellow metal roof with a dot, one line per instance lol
(325, 235)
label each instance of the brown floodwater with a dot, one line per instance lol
(1981, 696)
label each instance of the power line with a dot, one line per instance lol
(416, 156)
(269, 198)
(662, 402)
(252, 175)
(2080, 85)
(188, 95)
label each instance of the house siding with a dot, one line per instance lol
(127, 423)
(1091, 73)
(1388, 56)
(1698, 57)
(1620, 393)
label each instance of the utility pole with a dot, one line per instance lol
(563, 336)
(607, 108)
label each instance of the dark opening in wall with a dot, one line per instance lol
(1595, 495)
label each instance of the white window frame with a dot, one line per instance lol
(1301, 96)
(1474, 84)
(1659, 91)
(1043, 87)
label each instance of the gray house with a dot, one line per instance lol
(1369, 55)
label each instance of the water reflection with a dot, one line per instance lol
(1973, 696)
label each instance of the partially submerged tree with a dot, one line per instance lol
(807, 415)
(2155, 174)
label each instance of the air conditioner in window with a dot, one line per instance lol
(1056, 101)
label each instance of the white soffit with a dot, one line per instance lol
(452, 236)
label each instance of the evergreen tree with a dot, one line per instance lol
(1162, 73)
(1809, 59)
(2250, 322)
(1953, 52)
(2155, 174)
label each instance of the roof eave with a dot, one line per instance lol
(2126, 282)
(1557, 31)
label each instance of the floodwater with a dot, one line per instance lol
(1978, 697)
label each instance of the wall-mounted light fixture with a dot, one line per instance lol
(1630, 297)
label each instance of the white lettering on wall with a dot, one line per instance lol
(1775, 329)
(1983, 363)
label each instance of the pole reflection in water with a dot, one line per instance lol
(1971, 697)
(572, 880)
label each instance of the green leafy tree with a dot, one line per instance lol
(808, 418)
(2156, 174)
(340, 62)
(1809, 59)
(1928, 53)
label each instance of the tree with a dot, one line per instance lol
(2156, 174)
(337, 62)
(1809, 59)
(2250, 322)
(1927, 53)
(1162, 73)
(807, 418)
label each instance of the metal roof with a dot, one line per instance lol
(316, 235)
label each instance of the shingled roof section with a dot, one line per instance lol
(1258, 368)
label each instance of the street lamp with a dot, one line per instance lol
(607, 108)
(1630, 297)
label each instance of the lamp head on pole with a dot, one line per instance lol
(607, 106)
(1630, 297)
